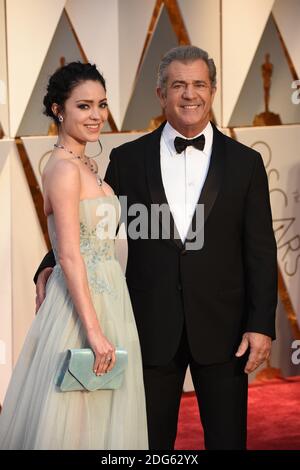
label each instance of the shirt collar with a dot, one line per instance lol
(169, 134)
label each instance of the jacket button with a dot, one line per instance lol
(179, 286)
(184, 252)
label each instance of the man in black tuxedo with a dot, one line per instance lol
(209, 307)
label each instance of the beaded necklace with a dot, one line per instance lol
(91, 164)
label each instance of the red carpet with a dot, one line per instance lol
(273, 417)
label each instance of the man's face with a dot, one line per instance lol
(188, 97)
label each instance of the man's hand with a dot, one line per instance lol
(260, 349)
(41, 287)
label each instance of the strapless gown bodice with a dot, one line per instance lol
(99, 218)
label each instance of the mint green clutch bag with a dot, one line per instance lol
(77, 372)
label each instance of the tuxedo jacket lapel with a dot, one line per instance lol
(156, 188)
(209, 191)
(212, 183)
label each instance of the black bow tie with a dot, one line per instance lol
(181, 144)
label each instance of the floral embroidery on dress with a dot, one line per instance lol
(95, 251)
(98, 286)
(83, 230)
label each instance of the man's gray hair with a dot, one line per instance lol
(184, 54)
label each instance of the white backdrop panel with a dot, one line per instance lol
(5, 146)
(279, 147)
(134, 20)
(30, 27)
(63, 44)
(287, 16)
(97, 27)
(28, 248)
(3, 72)
(5, 269)
(251, 98)
(202, 21)
(242, 27)
(144, 104)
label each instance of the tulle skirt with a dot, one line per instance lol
(37, 415)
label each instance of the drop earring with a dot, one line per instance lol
(60, 118)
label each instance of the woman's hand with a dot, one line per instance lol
(104, 351)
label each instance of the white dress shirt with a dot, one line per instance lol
(183, 175)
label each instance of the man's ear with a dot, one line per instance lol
(161, 97)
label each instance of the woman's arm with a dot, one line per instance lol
(63, 191)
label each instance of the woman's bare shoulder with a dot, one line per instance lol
(60, 167)
(61, 176)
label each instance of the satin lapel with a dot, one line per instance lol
(212, 183)
(156, 188)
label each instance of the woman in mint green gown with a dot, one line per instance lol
(87, 303)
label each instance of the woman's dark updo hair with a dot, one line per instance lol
(64, 80)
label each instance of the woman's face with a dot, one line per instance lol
(85, 112)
